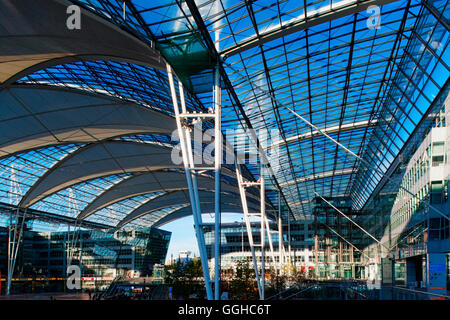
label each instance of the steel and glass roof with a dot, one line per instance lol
(364, 85)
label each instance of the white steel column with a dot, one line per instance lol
(184, 130)
(269, 236)
(217, 165)
(264, 224)
(280, 234)
(248, 224)
(218, 160)
(13, 246)
(72, 236)
(8, 286)
(263, 236)
(289, 241)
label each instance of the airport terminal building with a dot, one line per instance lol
(324, 123)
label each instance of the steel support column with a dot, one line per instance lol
(263, 236)
(218, 161)
(248, 225)
(13, 246)
(280, 235)
(264, 224)
(185, 123)
(233, 96)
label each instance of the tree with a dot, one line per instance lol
(243, 284)
(193, 269)
(299, 275)
(277, 282)
(185, 279)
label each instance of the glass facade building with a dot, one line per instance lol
(347, 100)
(100, 255)
(297, 237)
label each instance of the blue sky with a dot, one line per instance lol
(183, 235)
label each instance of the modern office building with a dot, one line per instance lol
(326, 120)
(100, 255)
(297, 247)
(335, 240)
(308, 244)
(418, 232)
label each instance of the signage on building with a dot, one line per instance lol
(437, 275)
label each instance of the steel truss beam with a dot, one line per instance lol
(351, 220)
(184, 131)
(260, 276)
(214, 53)
(330, 130)
(321, 175)
(14, 239)
(54, 218)
(362, 160)
(72, 237)
(343, 238)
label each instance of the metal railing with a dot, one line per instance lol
(400, 293)
(350, 290)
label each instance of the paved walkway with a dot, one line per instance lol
(47, 296)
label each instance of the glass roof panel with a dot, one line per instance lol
(368, 88)
(19, 172)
